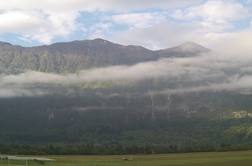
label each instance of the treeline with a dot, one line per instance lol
(113, 150)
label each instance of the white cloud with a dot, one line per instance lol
(161, 35)
(44, 20)
(93, 5)
(148, 70)
(214, 14)
(100, 27)
(19, 21)
(36, 25)
(239, 44)
(167, 34)
(24, 39)
(139, 20)
(214, 11)
(205, 24)
(193, 69)
(132, 5)
(242, 84)
(170, 34)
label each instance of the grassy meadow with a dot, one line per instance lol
(243, 158)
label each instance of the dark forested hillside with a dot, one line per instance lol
(89, 118)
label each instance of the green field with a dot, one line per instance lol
(243, 158)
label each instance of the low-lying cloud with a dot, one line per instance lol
(193, 68)
(208, 72)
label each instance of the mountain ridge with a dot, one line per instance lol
(70, 57)
(103, 41)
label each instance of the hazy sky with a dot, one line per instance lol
(152, 24)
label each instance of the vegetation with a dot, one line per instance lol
(118, 149)
(190, 159)
(92, 119)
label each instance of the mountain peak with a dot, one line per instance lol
(187, 49)
(190, 47)
(99, 39)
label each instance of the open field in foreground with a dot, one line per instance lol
(243, 158)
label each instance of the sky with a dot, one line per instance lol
(158, 24)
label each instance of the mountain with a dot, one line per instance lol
(71, 57)
(102, 93)
(187, 49)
